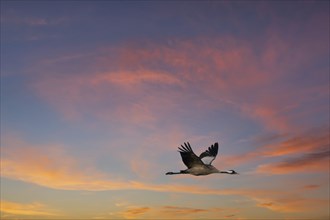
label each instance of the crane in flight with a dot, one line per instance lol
(201, 165)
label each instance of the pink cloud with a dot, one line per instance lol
(128, 78)
(226, 72)
(108, 96)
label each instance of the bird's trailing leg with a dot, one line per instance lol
(173, 173)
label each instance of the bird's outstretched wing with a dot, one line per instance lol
(210, 154)
(189, 158)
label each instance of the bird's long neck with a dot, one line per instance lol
(222, 171)
(225, 171)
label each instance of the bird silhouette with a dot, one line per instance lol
(201, 165)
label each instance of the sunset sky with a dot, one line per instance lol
(96, 97)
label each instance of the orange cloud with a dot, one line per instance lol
(41, 165)
(170, 212)
(134, 212)
(283, 203)
(33, 165)
(276, 200)
(73, 180)
(311, 186)
(48, 166)
(185, 212)
(181, 210)
(291, 204)
(12, 209)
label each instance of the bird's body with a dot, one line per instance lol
(199, 166)
(202, 170)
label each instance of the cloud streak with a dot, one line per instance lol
(312, 162)
(13, 209)
(307, 152)
(170, 212)
(134, 212)
(315, 139)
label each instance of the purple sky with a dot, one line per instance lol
(96, 96)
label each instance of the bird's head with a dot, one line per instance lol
(232, 172)
(228, 172)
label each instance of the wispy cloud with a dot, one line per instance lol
(169, 212)
(287, 204)
(136, 77)
(114, 95)
(315, 139)
(227, 73)
(11, 18)
(312, 162)
(311, 186)
(17, 17)
(307, 152)
(13, 210)
(134, 212)
(48, 166)
(182, 210)
(283, 204)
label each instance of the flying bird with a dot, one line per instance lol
(201, 165)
